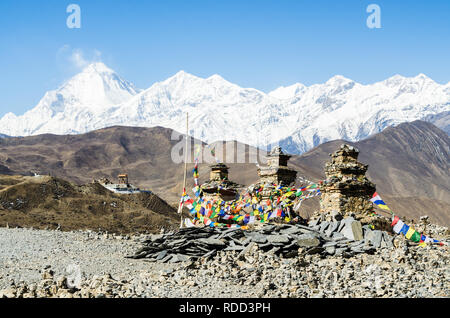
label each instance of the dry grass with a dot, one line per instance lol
(47, 202)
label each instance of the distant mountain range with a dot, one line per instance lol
(297, 117)
(409, 163)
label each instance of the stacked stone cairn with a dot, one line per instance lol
(277, 170)
(219, 186)
(346, 190)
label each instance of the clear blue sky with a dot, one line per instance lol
(259, 43)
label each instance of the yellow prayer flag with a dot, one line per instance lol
(410, 233)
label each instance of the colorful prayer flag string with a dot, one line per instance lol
(399, 227)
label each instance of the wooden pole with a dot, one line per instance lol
(185, 167)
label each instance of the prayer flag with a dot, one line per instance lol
(415, 237)
(398, 226)
(404, 229)
(395, 220)
(409, 233)
(376, 199)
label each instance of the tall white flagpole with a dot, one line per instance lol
(180, 209)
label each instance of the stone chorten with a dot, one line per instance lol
(218, 172)
(277, 170)
(346, 189)
(218, 186)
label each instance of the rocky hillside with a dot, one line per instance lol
(47, 202)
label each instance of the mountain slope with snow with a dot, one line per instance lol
(298, 117)
(66, 110)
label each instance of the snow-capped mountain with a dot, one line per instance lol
(288, 92)
(65, 110)
(299, 117)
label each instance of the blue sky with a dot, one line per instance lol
(258, 43)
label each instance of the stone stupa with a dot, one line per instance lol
(346, 190)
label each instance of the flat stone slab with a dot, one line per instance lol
(357, 231)
(387, 240)
(345, 222)
(332, 228)
(374, 238)
(356, 244)
(277, 239)
(336, 236)
(259, 238)
(353, 231)
(307, 240)
(324, 226)
(315, 250)
(211, 241)
(291, 230)
(234, 248)
(339, 251)
(330, 250)
(161, 255)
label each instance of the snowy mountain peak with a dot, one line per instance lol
(216, 77)
(96, 87)
(339, 80)
(97, 67)
(393, 81)
(398, 80)
(94, 90)
(423, 76)
(286, 92)
(181, 76)
(218, 80)
(299, 117)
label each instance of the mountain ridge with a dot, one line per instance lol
(303, 118)
(409, 163)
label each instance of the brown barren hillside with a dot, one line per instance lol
(143, 153)
(409, 163)
(47, 202)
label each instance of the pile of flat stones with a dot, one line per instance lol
(345, 238)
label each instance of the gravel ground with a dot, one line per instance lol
(24, 253)
(30, 256)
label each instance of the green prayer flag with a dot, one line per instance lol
(415, 237)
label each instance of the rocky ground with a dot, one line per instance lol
(39, 263)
